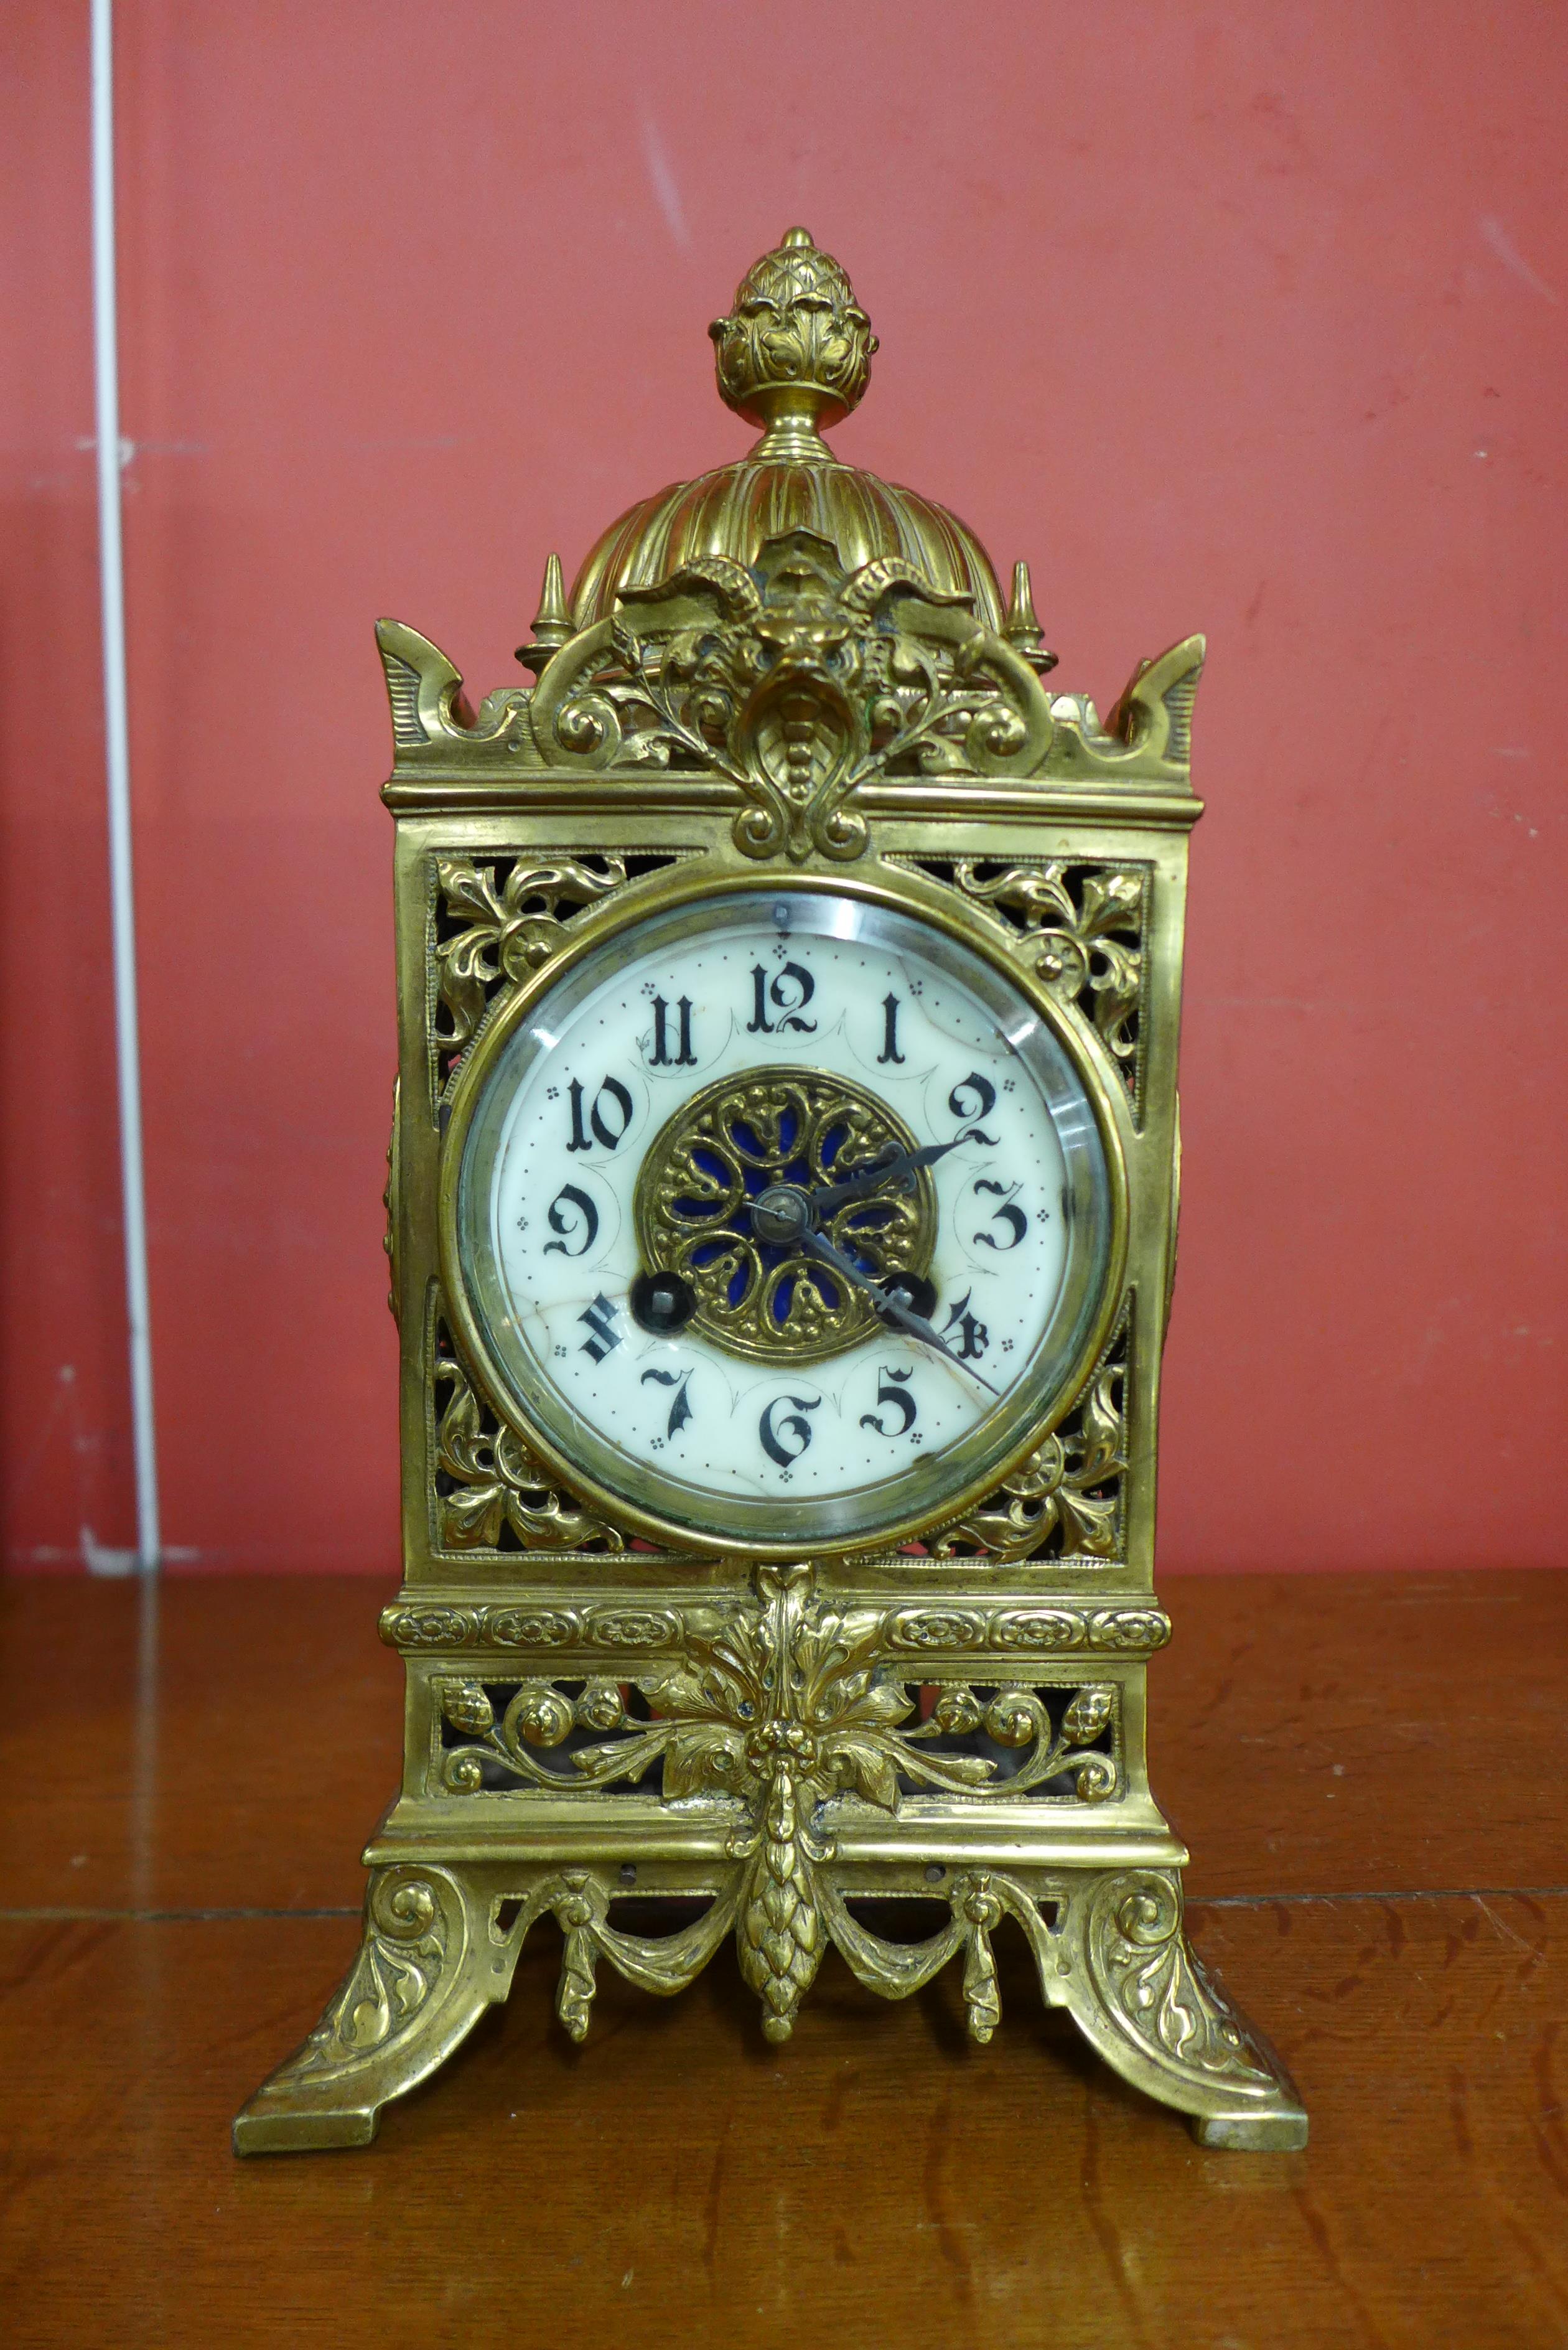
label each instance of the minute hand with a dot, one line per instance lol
(885, 1170)
(889, 1309)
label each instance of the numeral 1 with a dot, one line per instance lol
(889, 1030)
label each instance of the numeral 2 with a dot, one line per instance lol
(973, 1098)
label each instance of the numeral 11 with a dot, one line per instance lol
(683, 1057)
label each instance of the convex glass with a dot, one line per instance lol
(784, 1216)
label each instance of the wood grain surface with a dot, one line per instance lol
(1370, 1773)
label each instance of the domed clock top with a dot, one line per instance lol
(794, 355)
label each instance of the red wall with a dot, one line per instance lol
(1246, 318)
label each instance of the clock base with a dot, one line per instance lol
(442, 1938)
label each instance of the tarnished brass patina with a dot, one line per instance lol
(786, 671)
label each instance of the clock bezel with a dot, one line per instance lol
(630, 910)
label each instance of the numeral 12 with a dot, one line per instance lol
(787, 993)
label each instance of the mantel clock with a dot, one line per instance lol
(782, 1221)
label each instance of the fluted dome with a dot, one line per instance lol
(794, 354)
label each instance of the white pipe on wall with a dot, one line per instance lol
(106, 354)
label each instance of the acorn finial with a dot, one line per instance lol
(1021, 628)
(552, 622)
(795, 349)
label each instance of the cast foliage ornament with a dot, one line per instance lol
(399, 1965)
(797, 683)
(1066, 1496)
(777, 1710)
(1083, 926)
(490, 1485)
(1156, 1988)
(512, 925)
(496, 920)
(794, 325)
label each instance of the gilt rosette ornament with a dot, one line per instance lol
(729, 1146)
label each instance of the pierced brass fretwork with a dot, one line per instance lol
(802, 1127)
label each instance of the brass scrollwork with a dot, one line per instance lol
(1153, 1987)
(401, 1964)
(1032, 1631)
(1066, 1497)
(774, 1710)
(495, 922)
(488, 1485)
(797, 682)
(1083, 929)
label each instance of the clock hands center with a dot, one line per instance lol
(788, 1216)
(784, 1211)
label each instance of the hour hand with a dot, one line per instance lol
(889, 1308)
(887, 1169)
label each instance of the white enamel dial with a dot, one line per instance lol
(834, 1374)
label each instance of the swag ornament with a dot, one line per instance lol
(775, 1710)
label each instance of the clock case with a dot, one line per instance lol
(656, 1741)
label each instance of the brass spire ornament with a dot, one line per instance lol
(552, 622)
(781, 1219)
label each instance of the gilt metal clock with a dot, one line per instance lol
(782, 1220)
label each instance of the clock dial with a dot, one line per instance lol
(784, 1216)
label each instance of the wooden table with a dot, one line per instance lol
(1370, 1771)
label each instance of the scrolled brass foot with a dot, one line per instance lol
(1137, 1991)
(424, 1975)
